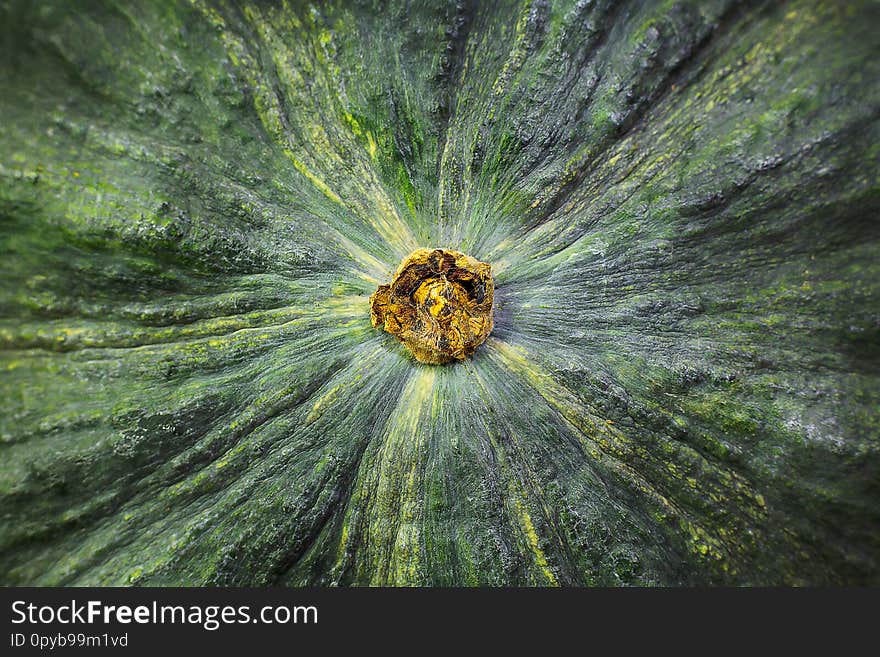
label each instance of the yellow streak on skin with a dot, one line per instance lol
(518, 53)
(404, 433)
(529, 529)
(603, 440)
(381, 213)
(350, 305)
(326, 400)
(517, 493)
(315, 180)
(389, 488)
(723, 84)
(383, 217)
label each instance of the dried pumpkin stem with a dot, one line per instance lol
(439, 305)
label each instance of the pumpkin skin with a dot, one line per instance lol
(678, 201)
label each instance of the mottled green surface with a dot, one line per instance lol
(680, 202)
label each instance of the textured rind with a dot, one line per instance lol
(679, 202)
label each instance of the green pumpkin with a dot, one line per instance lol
(679, 204)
